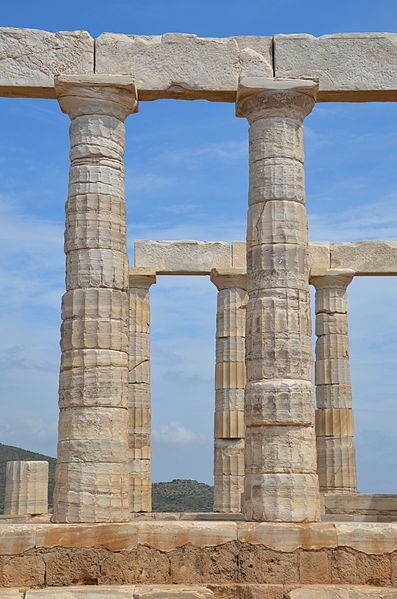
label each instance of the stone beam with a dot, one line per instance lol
(350, 67)
(30, 58)
(180, 65)
(366, 258)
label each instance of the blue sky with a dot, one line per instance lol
(187, 179)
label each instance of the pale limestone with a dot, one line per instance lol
(10, 594)
(101, 592)
(26, 489)
(179, 591)
(364, 504)
(30, 58)
(177, 65)
(336, 592)
(92, 467)
(285, 402)
(230, 379)
(280, 461)
(334, 414)
(348, 66)
(139, 405)
(366, 257)
(182, 257)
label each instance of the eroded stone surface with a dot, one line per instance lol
(178, 65)
(30, 58)
(348, 66)
(26, 489)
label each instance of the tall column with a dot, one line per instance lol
(26, 488)
(229, 389)
(281, 482)
(92, 468)
(139, 409)
(336, 454)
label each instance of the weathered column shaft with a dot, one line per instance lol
(281, 482)
(230, 381)
(336, 454)
(92, 467)
(139, 408)
(26, 489)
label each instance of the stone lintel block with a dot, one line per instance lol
(31, 58)
(228, 493)
(350, 67)
(26, 490)
(96, 492)
(239, 255)
(366, 257)
(280, 449)
(331, 371)
(184, 66)
(335, 422)
(331, 324)
(282, 497)
(230, 375)
(229, 424)
(229, 457)
(277, 221)
(283, 401)
(360, 503)
(183, 257)
(93, 387)
(319, 257)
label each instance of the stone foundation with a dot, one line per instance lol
(235, 554)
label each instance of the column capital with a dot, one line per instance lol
(141, 277)
(111, 95)
(229, 278)
(333, 279)
(258, 97)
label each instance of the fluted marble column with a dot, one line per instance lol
(26, 489)
(336, 454)
(139, 408)
(92, 467)
(229, 389)
(281, 482)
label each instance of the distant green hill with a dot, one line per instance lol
(179, 495)
(182, 495)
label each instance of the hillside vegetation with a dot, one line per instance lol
(179, 495)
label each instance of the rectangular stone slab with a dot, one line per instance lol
(350, 67)
(184, 66)
(29, 59)
(366, 257)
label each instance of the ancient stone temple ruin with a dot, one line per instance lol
(287, 519)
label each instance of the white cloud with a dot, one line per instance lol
(174, 433)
